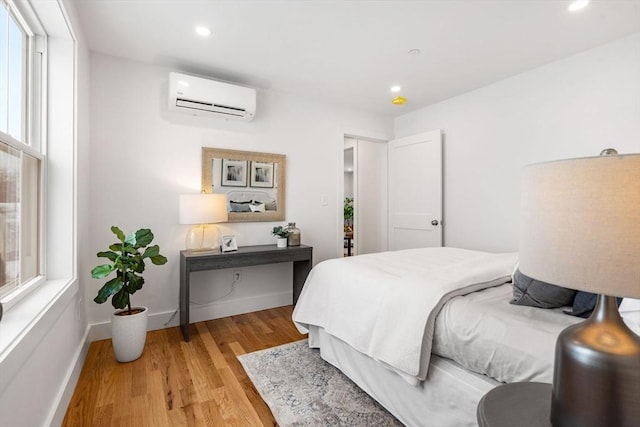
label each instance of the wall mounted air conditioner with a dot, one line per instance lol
(204, 97)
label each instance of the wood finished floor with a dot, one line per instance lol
(199, 383)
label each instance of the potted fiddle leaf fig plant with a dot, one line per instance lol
(348, 214)
(128, 324)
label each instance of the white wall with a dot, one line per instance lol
(571, 108)
(143, 158)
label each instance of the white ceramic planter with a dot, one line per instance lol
(128, 334)
(281, 242)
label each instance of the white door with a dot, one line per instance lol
(415, 191)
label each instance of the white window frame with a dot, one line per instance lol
(34, 143)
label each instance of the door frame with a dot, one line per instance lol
(365, 136)
(356, 226)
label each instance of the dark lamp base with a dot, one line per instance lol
(596, 379)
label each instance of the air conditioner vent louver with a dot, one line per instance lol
(207, 106)
(203, 97)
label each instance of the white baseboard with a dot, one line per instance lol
(69, 385)
(220, 309)
(199, 313)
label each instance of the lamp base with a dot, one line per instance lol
(203, 238)
(596, 379)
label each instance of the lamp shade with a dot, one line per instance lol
(203, 208)
(581, 224)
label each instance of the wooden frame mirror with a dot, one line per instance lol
(254, 183)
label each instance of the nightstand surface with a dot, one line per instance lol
(525, 404)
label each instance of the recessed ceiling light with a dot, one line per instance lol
(399, 100)
(183, 83)
(577, 5)
(396, 88)
(203, 31)
(414, 52)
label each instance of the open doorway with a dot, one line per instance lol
(364, 224)
(348, 202)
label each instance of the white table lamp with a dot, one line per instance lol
(203, 210)
(581, 230)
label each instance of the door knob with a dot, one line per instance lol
(434, 222)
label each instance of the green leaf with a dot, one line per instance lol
(159, 260)
(135, 282)
(151, 251)
(109, 288)
(110, 254)
(115, 230)
(131, 239)
(144, 236)
(138, 266)
(102, 271)
(121, 299)
(131, 249)
(116, 247)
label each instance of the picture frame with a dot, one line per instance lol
(234, 173)
(229, 244)
(261, 175)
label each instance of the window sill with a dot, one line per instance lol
(23, 327)
(13, 298)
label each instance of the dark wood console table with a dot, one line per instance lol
(301, 256)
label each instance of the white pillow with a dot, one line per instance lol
(257, 207)
(630, 311)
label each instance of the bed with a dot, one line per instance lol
(427, 332)
(250, 201)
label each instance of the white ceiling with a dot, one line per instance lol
(350, 52)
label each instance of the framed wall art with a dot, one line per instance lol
(234, 173)
(261, 175)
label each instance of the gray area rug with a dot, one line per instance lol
(303, 390)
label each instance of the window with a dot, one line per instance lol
(21, 162)
(13, 65)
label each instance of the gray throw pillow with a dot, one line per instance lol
(240, 207)
(584, 303)
(534, 293)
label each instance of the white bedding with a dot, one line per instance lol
(384, 305)
(476, 333)
(485, 334)
(448, 397)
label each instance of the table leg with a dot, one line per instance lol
(184, 299)
(301, 270)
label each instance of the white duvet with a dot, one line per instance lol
(384, 305)
(485, 334)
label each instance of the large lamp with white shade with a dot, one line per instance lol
(581, 230)
(203, 210)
